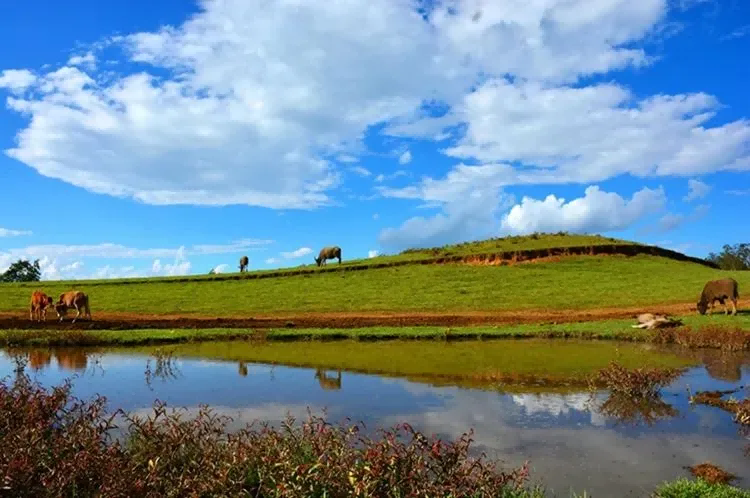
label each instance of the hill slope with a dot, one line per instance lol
(566, 283)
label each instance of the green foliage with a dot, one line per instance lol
(686, 488)
(736, 257)
(22, 271)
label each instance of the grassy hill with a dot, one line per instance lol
(574, 282)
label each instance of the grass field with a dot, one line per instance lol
(579, 282)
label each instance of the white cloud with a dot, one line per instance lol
(237, 81)
(740, 32)
(360, 170)
(180, 266)
(593, 133)
(372, 253)
(272, 261)
(473, 216)
(69, 258)
(596, 211)
(375, 216)
(5, 232)
(16, 80)
(302, 251)
(405, 158)
(672, 221)
(88, 60)
(739, 192)
(346, 158)
(222, 268)
(696, 190)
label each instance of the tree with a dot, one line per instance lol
(22, 271)
(736, 257)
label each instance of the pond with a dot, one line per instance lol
(524, 399)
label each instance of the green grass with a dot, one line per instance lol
(698, 488)
(607, 329)
(581, 282)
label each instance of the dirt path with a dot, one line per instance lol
(125, 321)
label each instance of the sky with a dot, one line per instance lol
(169, 138)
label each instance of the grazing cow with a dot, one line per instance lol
(328, 383)
(40, 303)
(719, 290)
(73, 299)
(331, 252)
(243, 263)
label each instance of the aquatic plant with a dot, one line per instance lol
(635, 382)
(57, 445)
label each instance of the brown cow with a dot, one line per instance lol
(73, 299)
(331, 252)
(40, 303)
(719, 290)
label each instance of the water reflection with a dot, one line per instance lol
(597, 442)
(329, 383)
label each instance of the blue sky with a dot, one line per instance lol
(170, 139)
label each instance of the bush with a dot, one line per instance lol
(55, 444)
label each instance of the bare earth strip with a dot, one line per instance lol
(124, 321)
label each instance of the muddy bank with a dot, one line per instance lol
(126, 321)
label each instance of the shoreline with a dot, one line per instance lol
(723, 333)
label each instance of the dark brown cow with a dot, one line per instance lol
(330, 252)
(719, 290)
(73, 299)
(243, 263)
(40, 303)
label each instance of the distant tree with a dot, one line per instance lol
(212, 271)
(22, 271)
(736, 257)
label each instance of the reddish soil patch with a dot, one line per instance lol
(124, 321)
(711, 473)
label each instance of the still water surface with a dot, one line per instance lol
(569, 441)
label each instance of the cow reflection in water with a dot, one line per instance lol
(328, 383)
(39, 359)
(242, 369)
(68, 359)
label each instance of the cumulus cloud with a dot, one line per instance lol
(205, 98)
(696, 190)
(16, 80)
(222, 268)
(5, 232)
(372, 253)
(596, 211)
(474, 217)
(405, 158)
(59, 261)
(302, 251)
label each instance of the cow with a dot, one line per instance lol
(651, 321)
(243, 263)
(40, 304)
(330, 252)
(73, 299)
(328, 383)
(719, 290)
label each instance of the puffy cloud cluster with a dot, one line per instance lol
(266, 105)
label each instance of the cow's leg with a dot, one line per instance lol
(78, 313)
(31, 312)
(711, 310)
(734, 306)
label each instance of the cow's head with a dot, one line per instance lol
(317, 260)
(60, 309)
(702, 307)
